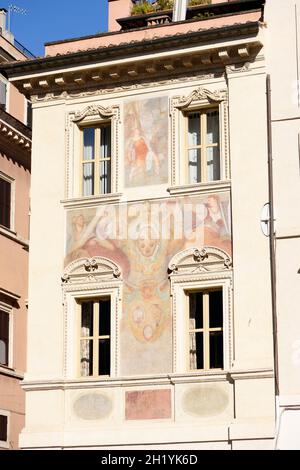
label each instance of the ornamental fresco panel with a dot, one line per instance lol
(142, 238)
(146, 142)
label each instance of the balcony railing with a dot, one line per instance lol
(19, 46)
(23, 49)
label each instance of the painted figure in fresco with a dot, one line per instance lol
(216, 230)
(146, 142)
(144, 255)
(147, 293)
(142, 161)
(98, 239)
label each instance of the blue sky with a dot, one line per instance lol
(50, 20)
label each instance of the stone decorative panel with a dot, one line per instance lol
(205, 401)
(93, 406)
(148, 404)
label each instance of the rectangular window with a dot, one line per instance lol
(96, 160)
(3, 95)
(203, 146)
(3, 428)
(4, 338)
(5, 203)
(206, 330)
(95, 337)
(29, 114)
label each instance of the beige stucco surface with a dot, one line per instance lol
(147, 34)
(230, 408)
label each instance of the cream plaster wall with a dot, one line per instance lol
(47, 242)
(248, 151)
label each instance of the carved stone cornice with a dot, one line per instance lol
(193, 260)
(86, 270)
(95, 110)
(143, 83)
(97, 75)
(14, 136)
(249, 30)
(198, 95)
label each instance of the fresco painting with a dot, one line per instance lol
(142, 238)
(146, 142)
(148, 404)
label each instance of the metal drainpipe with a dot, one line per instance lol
(272, 237)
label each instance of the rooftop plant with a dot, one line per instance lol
(143, 7)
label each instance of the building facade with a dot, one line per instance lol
(15, 163)
(150, 306)
(283, 68)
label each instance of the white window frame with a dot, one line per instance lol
(95, 161)
(202, 147)
(12, 182)
(93, 115)
(190, 271)
(95, 336)
(80, 282)
(5, 444)
(6, 308)
(205, 328)
(200, 100)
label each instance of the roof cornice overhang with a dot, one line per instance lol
(211, 48)
(15, 138)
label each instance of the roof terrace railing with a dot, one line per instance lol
(19, 46)
(23, 49)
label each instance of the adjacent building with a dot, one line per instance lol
(283, 66)
(15, 163)
(153, 304)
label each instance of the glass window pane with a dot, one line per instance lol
(105, 141)
(196, 351)
(194, 166)
(212, 126)
(105, 177)
(196, 310)
(213, 163)
(88, 179)
(86, 357)
(87, 319)
(5, 201)
(216, 309)
(216, 350)
(194, 129)
(104, 357)
(3, 428)
(4, 338)
(88, 143)
(104, 317)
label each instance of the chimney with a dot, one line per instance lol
(117, 9)
(179, 10)
(3, 31)
(3, 14)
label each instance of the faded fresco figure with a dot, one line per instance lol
(146, 142)
(216, 225)
(143, 253)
